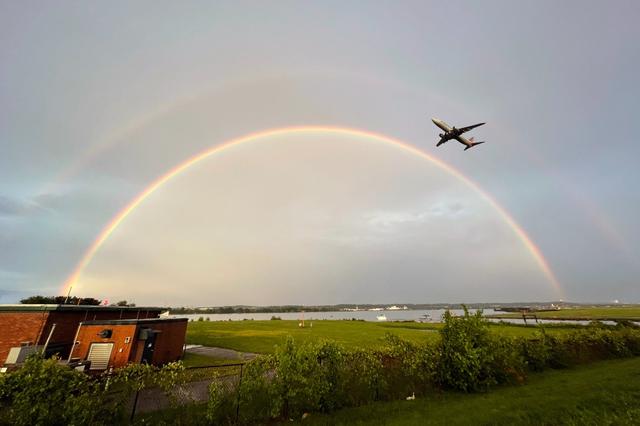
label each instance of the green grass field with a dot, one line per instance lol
(604, 393)
(620, 313)
(263, 336)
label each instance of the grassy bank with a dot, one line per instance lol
(585, 314)
(262, 336)
(603, 393)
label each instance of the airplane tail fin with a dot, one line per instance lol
(473, 144)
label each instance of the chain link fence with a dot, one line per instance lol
(194, 388)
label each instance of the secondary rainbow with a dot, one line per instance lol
(135, 202)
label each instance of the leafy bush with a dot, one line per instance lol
(221, 405)
(409, 367)
(45, 392)
(464, 352)
(363, 378)
(325, 377)
(505, 363)
(306, 377)
(536, 352)
(257, 392)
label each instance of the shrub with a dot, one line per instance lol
(413, 366)
(536, 352)
(257, 390)
(505, 362)
(464, 352)
(221, 405)
(45, 392)
(363, 379)
(306, 377)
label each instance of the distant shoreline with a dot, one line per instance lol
(509, 307)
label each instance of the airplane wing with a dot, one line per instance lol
(466, 129)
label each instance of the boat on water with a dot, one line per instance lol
(381, 317)
(424, 318)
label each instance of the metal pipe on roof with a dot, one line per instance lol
(44, 349)
(73, 345)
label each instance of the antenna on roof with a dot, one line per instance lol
(68, 294)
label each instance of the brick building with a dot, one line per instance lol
(22, 325)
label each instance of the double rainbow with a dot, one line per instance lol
(155, 185)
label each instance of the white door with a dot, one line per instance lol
(99, 355)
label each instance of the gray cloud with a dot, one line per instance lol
(13, 206)
(383, 220)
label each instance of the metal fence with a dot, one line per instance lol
(194, 389)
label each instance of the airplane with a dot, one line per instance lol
(454, 133)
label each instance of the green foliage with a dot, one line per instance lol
(257, 390)
(602, 393)
(221, 405)
(45, 392)
(306, 377)
(323, 377)
(536, 352)
(409, 367)
(59, 300)
(363, 377)
(471, 359)
(464, 352)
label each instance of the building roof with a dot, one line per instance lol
(142, 321)
(73, 308)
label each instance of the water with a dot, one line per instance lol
(531, 321)
(401, 315)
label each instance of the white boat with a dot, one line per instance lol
(382, 317)
(424, 318)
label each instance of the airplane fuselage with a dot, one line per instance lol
(449, 132)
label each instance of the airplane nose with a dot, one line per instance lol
(435, 120)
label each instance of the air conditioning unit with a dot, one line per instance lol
(17, 355)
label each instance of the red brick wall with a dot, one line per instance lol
(168, 345)
(18, 327)
(121, 351)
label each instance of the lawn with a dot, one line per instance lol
(599, 313)
(603, 393)
(263, 336)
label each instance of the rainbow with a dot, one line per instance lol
(156, 184)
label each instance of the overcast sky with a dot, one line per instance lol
(98, 100)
